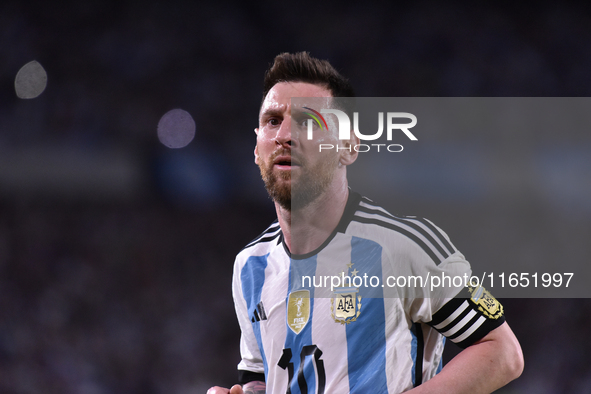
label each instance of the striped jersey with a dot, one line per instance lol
(360, 314)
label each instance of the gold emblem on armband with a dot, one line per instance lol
(486, 303)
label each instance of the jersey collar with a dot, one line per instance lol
(350, 209)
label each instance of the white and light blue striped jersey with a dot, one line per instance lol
(365, 334)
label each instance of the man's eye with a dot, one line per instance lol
(273, 122)
(301, 121)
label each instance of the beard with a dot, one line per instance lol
(311, 183)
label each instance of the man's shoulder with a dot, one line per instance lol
(264, 242)
(374, 221)
(369, 212)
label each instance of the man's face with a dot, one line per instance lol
(293, 170)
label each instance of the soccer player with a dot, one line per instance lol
(295, 338)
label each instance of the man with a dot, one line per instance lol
(295, 338)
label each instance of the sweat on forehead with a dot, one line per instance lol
(279, 98)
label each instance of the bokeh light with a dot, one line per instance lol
(176, 128)
(30, 80)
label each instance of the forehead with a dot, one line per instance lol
(280, 95)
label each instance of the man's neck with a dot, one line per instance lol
(306, 229)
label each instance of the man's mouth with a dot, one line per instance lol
(285, 162)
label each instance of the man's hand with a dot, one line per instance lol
(249, 388)
(236, 389)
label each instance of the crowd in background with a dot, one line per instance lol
(124, 287)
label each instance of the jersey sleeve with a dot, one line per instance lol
(251, 367)
(446, 302)
(469, 316)
(441, 283)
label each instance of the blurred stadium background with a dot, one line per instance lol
(116, 251)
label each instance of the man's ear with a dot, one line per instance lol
(256, 152)
(348, 154)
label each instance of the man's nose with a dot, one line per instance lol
(284, 135)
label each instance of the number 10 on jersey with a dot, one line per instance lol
(309, 354)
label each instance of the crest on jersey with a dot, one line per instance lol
(345, 304)
(298, 310)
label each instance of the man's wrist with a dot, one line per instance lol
(254, 388)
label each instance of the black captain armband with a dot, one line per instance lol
(469, 317)
(249, 376)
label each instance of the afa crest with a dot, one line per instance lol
(345, 305)
(298, 310)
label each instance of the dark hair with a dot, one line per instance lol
(301, 67)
